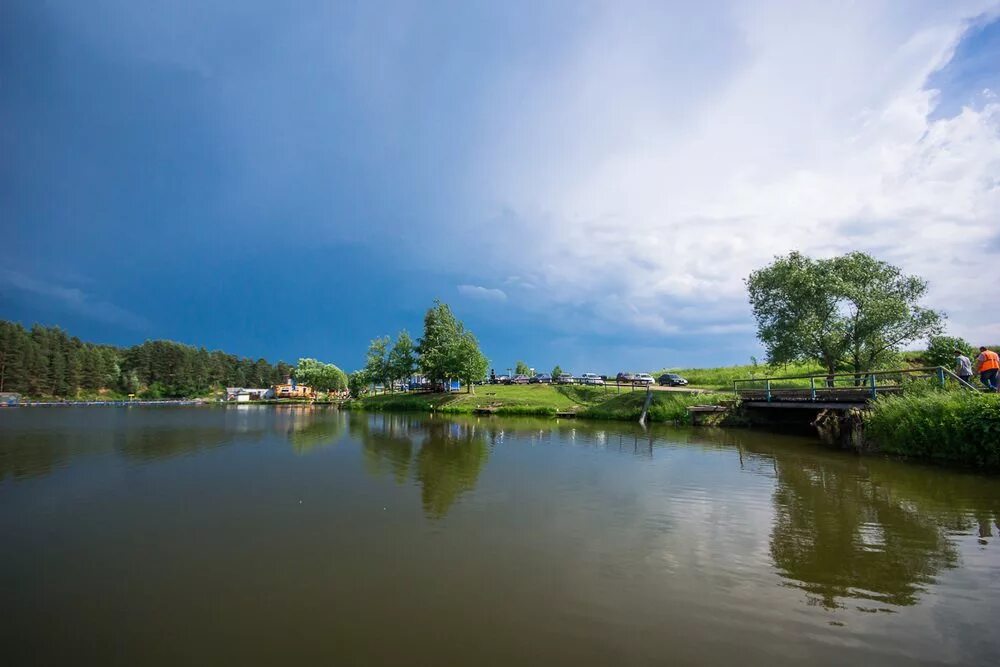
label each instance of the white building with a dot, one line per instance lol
(244, 394)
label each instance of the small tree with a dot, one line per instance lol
(470, 363)
(402, 358)
(357, 383)
(377, 361)
(941, 350)
(556, 372)
(521, 368)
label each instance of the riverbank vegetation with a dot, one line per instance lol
(947, 426)
(590, 402)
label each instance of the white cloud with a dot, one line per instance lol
(485, 293)
(642, 178)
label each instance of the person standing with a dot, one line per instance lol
(988, 365)
(963, 366)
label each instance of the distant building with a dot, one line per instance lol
(244, 394)
(9, 399)
(292, 389)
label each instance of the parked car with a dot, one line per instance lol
(643, 378)
(503, 379)
(519, 379)
(591, 378)
(671, 380)
(541, 378)
(625, 378)
(565, 378)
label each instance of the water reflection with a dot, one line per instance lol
(865, 532)
(24, 456)
(839, 534)
(35, 444)
(444, 457)
(449, 462)
(309, 428)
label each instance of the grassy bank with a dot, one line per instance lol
(723, 376)
(955, 427)
(664, 407)
(584, 401)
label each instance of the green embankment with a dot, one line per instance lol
(665, 406)
(947, 426)
(585, 401)
(722, 377)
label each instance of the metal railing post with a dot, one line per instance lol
(871, 377)
(940, 374)
(812, 388)
(767, 385)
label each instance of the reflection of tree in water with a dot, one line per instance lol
(389, 446)
(147, 444)
(838, 534)
(448, 463)
(32, 455)
(309, 427)
(450, 460)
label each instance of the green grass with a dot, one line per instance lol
(948, 426)
(508, 399)
(722, 377)
(586, 401)
(665, 406)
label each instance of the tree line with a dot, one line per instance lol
(46, 361)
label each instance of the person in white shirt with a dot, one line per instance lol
(963, 366)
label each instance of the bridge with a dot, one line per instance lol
(839, 391)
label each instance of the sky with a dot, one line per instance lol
(585, 183)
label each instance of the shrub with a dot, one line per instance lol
(941, 351)
(960, 427)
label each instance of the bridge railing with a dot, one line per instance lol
(843, 386)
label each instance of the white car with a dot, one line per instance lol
(591, 378)
(643, 378)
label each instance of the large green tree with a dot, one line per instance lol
(320, 376)
(447, 350)
(849, 312)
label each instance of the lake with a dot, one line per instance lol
(297, 535)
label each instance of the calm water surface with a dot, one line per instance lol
(259, 535)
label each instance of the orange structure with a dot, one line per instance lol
(291, 389)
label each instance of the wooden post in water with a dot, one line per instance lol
(645, 407)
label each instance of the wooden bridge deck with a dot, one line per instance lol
(840, 390)
(807, 395)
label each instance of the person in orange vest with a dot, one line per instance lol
(988, 365)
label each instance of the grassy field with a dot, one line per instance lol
(586, 401)
(722, 377)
